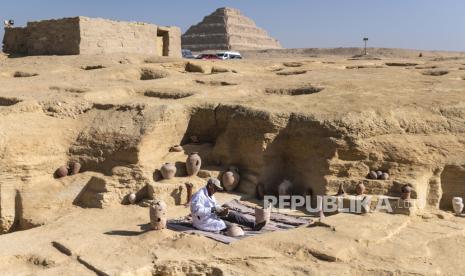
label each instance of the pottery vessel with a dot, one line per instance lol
(373, 175)
(384, 176)
(285, 188)
(379, 174)
(360, 189)
(168, 170)
(158, 216)
(406, 191)
(260, 191)
(74, 168)
(132, 198)
(230, 179)
(193, 164)
(61, 172)
(234, 231)
(457, 204)
(262, 214)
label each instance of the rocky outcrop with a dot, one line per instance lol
(227, 29)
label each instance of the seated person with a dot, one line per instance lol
(206, 213)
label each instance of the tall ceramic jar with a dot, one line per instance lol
(168, 170)
(360, 189)
(193, 163)
(457, 204)
(158, 216)
(262, 214)
(231, 179)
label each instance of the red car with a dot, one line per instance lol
(207, 56)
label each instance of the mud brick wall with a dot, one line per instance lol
(53, 37)
(14, 41)
(83, 35)
(102, 36)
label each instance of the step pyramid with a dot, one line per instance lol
(227, 29)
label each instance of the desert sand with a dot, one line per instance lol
(318, 117)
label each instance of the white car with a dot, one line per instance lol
(229, 55)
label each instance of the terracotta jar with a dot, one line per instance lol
(234, 231)
(132, 198)
(193, 164)
(168, 170)
(260, 190)
(360, 189)
(285, 188)
(373, 175)
(61, 172)
(74, 168)
(384, 176)
(158, 216)
(406, 191)
(457, 204)
(231, 179)
(262, 214)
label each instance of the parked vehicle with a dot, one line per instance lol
(207, 57)
(186, 53)
(229, 55)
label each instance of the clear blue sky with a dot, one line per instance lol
(415, 24)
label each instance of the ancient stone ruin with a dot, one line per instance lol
(227, 29)
(83, 35)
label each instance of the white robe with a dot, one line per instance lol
(201, 211)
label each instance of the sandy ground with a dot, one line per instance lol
(323, 120)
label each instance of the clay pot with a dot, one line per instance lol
(285, 188)
(341, 190)
(168, 170)
(262, 214)
(384, 176)
(158, 215)
(132, 198)
(61, 172)
(373, 175)
(176, 148)
(230, 179)
(193, 164)
(74, 168)
(379, 174)
(406, 191)
(360, 189)
(457, 204)
(234, 231)
(260, 191)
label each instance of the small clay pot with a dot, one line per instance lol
(158, 216)
(406, 191)
(373, 175)
(341, 190)
(193, 164)
(132, 198)
(285, 188)
(360, 189)
(379, 174)
(176, 148)
(61, 172)
(384, 176)
(262, 214)
(168, 170)
(234, 231)
(457, 204)
(260, 190)
(230, 179)
(74, 168)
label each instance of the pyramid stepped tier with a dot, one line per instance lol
(227, 29)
